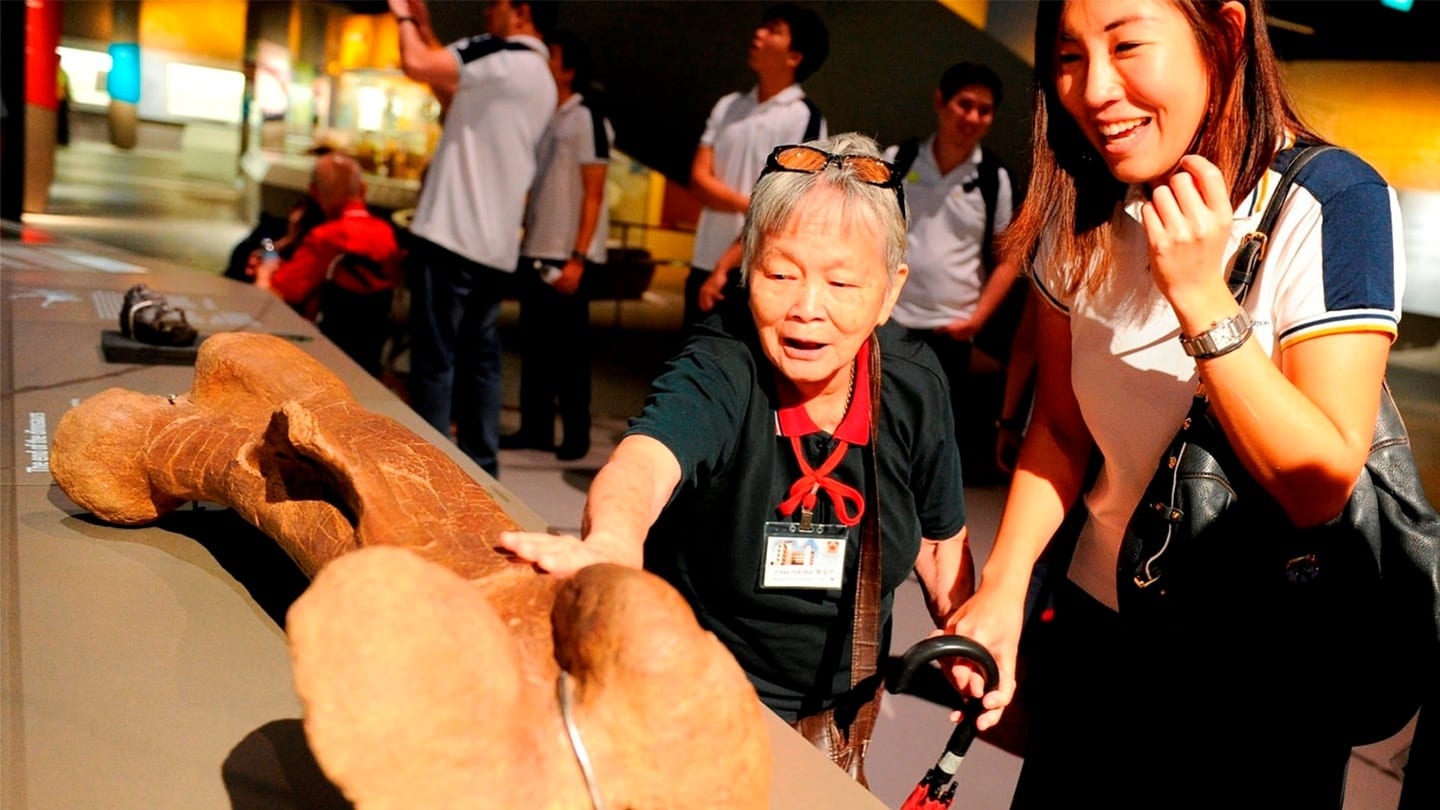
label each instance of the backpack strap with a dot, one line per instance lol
(812, 127)
(597, 128)
(989, 183)
(905, 155)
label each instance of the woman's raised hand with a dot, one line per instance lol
(1188, 221)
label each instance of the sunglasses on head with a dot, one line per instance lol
(809, 160)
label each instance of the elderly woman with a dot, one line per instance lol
(775, 447)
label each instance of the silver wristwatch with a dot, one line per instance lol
(1224, 336)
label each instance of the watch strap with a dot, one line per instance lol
(1224, 336)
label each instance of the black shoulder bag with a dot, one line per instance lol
(1320, 614)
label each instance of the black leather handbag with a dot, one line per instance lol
(1210, 559)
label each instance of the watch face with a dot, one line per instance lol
(1224, 336)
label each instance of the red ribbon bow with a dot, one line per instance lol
(805, 491)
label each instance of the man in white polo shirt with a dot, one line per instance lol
(959, 195)
(566, 223)
(499, 96)
(788, 47)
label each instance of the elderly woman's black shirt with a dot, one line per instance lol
(714, 406)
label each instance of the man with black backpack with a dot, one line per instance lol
(960, 195)
(789, 45)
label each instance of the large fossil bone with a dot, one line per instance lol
(427, 661)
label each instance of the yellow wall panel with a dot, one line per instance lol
(971, 11)
(215, 28)
(1387, 112)
(361, 41)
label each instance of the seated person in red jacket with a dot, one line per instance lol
(345, 270)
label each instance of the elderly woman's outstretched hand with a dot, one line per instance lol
(564, 554)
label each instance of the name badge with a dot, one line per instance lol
(804, 557)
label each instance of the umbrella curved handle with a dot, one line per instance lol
(937, 789)
(944, 647)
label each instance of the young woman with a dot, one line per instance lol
(1160, 128)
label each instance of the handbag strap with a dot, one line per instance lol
(1251, 252)
(865, 636)
(1253, 246)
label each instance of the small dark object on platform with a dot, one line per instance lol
(120, 349)
(148, 318)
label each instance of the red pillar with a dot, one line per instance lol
(42, 64)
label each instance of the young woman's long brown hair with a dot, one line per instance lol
(1072, 194)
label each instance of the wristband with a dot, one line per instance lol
(578, 256)
(1014, 423)
(399, 20)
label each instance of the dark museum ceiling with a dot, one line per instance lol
(1356, 30)
(1361, 30)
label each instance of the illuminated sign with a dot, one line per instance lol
(123, 81)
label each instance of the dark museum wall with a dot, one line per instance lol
(664, 64)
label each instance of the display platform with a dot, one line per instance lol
(148, 668)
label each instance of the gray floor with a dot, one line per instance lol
(140, 201)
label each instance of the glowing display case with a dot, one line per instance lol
(389, 123)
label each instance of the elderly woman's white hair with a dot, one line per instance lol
(779, 194)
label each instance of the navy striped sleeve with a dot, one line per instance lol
(482, 45)
(1343, 267)
(1357, 233)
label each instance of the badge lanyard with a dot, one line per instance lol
(807, 554)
